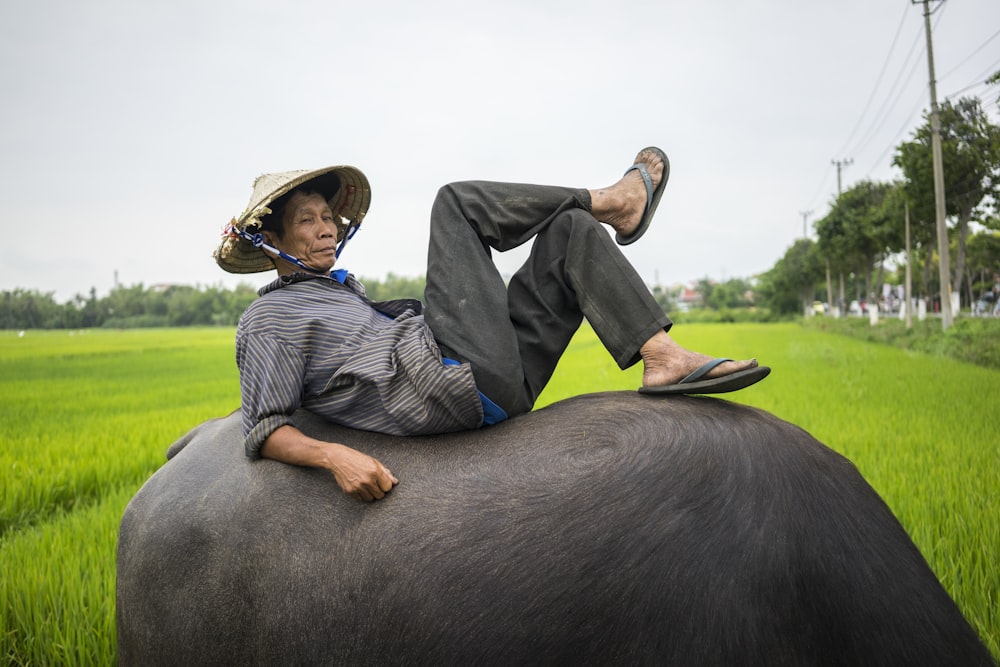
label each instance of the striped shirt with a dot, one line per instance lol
(312, 342)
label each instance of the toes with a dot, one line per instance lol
(654, 164)
(732, 367)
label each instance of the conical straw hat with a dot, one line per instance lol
(346, 190)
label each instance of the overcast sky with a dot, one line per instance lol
(132, 131)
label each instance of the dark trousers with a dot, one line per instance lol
(513, 335)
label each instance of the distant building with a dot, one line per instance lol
(687, 297)
(160, 288)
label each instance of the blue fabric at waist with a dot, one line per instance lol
(492, 413)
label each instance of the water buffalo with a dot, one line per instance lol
(606, 529)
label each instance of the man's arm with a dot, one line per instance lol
(359, 475)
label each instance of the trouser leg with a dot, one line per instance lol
(575, 268)
(513, 336)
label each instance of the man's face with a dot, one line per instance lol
(310, 234)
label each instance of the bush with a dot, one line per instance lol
(973, 340)
(726, 315)
(136, 322)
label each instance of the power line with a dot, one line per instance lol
(920, 101)
(873, 130)
(900, 78)
(892, 100)
(969, 57)
(906, 73)
(899, 133)
(878, 80)
(980, 79)
(891, 95)
(962, 90)
(822, 186)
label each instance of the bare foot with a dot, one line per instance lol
(666, 362)
(621, 205)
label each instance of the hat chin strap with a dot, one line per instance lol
(352, 229)
(257, 240)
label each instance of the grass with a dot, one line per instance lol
(87, 418)
(58, 588)
(972, 339)
(80, 415)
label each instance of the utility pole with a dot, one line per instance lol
(840, 164)
(944, 259)
(807, 304)
(908, 293)
(804, 214)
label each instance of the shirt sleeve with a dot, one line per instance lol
(272, 375)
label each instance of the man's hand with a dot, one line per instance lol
(359, 475)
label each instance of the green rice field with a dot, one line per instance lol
(86, 418)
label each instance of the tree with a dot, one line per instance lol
(983, 261)
(31, 309)
(789, 287)
(126, 302)
(734, 293)
(664, 298)
(394, 287)
(863, 227)
(705, 287)
(874, 226)
(970, 147)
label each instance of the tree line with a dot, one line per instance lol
(170, 306)
(861, 241)
(125, 307)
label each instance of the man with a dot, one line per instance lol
(480, 350)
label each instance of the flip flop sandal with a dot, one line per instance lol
(693, 384)
(652, 196)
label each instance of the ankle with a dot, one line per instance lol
(605, 203)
